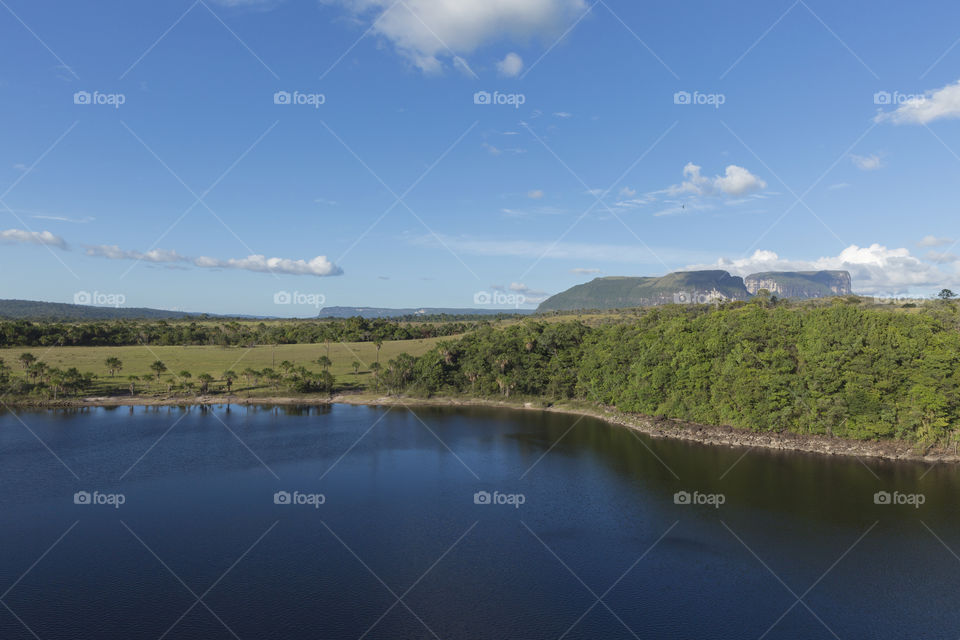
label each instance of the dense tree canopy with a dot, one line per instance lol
(839, 370)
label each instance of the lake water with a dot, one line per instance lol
(582, 536)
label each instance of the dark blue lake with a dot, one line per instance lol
(359, 522)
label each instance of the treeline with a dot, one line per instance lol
(40, 381)
(840, 370)
(23, 333)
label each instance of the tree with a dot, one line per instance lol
(356, 368)
(228, 378)
(27, 359)
(113, 365)
(946, 294)
(205, 380)
(379, 343)
(133, 384)
(375, 368)
(324, 362)
(158, 368)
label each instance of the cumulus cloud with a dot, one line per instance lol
(21, 236)
(425, 31)
(871, 162)
(736, 181)
(510, 66)
(319, 266)
(937, 104)
(875, 269)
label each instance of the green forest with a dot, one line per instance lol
(840, 370)
(117, 333)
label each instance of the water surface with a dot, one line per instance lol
(400, 549)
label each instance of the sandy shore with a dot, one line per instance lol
(654, 427)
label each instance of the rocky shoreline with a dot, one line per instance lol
(652, 426)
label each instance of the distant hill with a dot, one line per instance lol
(686, 287)
(33, 310)
(383, 312)
(800, 284)
(620, 292)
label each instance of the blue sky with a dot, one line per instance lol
(205, 190)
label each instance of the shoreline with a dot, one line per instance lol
(725, 436)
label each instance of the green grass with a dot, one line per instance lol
(216, 360)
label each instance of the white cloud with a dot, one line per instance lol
(510, 66)
(20, 236)
(580, 271)
(319, 266)
(871, 162)
(563, 114)
(838, 186)
(875, 269)
(627, 192)
(83, 220)
(736, 181)
(938, 104)
(424, 31)
(934, 241)
(535, 194)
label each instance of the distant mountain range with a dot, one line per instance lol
(56, 311)
(384, 312)
(62, 312)
(692, 287)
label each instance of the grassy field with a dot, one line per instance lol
(215, 360)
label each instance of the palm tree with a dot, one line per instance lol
(133, 384)
(113, 365)
(158, 368)
(324, 362)
(356, 368)
(375, 368)
(27, 359)
(205, 380)
(228, 378)
(379, 343)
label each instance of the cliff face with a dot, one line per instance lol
(800, 284)
(696, 287)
